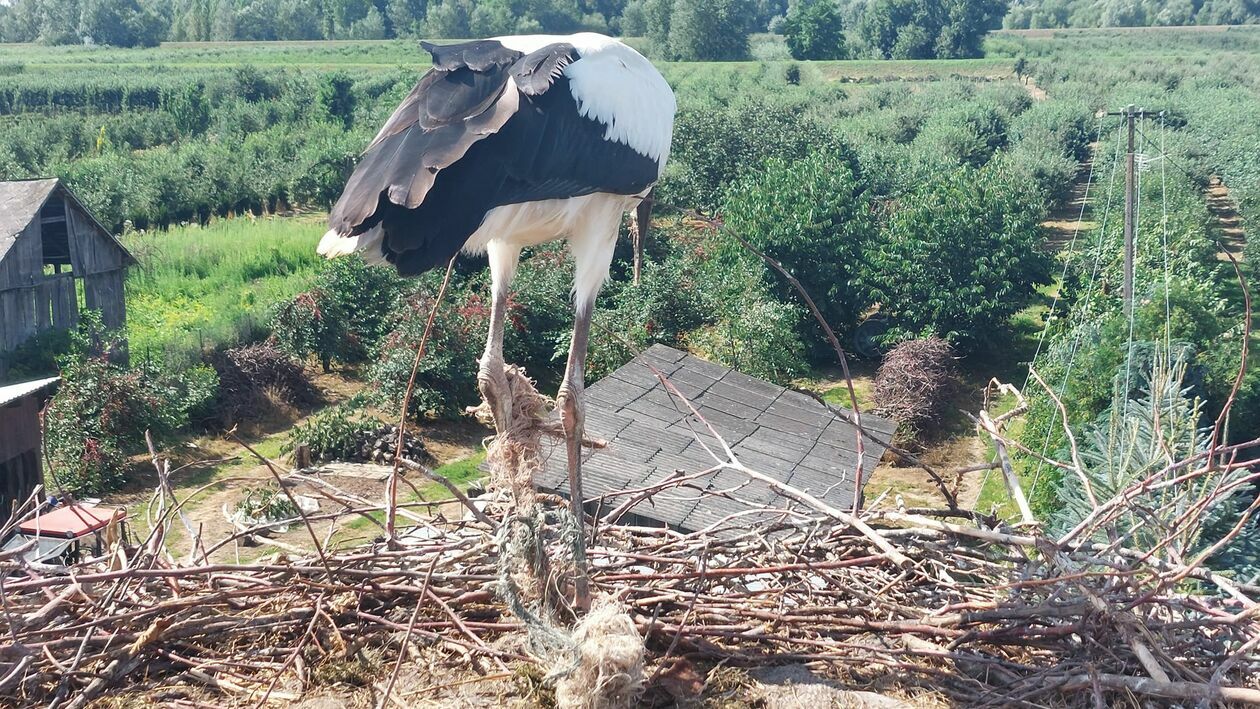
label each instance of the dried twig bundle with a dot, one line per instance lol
(913, 385)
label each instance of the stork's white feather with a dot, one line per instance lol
(367, 244)
(617, 86)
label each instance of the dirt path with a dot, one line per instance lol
(1037, 93)
(1225, 211)
(1068, 219)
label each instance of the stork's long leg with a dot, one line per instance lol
(491, 379)
(592, 254)
(572, 418)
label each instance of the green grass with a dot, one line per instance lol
(214, 285)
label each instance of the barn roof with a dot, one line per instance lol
(776, 431)
(20, 202)
(13, 392)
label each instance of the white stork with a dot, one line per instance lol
(507, 143)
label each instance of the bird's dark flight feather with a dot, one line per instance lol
(448, 156)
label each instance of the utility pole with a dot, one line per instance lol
(1130, 206)
(1131, 114)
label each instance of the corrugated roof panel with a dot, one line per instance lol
(13, 392)
(779, 433)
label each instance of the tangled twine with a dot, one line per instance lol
(598, 664)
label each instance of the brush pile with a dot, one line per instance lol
(988, 616)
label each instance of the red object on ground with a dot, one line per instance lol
(71, 521)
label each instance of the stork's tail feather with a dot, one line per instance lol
(367, 244)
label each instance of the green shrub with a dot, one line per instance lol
(336, 433)
(713, 146)
(446, 381)
(813, 217)
(312, 323)
(958, 257)
(102, 410)
(815, 31)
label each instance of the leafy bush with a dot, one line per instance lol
(311, 324)
(958, 257)
(102, 410)
(336, 433)
(715, 145)
(813, 217)
(446, 381)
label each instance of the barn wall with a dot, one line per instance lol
(91, 250)
(31, 302)
(24, 263)
(20, 422)
(104, 292)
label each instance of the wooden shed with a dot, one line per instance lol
(55, 260)
(20, 442)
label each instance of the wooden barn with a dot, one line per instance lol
(55, 260)
(20, 443)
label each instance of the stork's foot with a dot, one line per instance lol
(572, 419)
(493, 383)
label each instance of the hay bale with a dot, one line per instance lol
(914, 384)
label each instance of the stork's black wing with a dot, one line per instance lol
(487, 127)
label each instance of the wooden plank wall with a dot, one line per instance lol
(104, 292)
(90, 250)
(24, 264)
(20, 422)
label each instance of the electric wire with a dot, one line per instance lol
(1084, 308)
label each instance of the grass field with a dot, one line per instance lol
(203, 286)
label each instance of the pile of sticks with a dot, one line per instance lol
(985, 615)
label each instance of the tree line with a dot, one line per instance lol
(679, 30)
(1038, 14)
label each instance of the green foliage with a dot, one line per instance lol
(957, 259)
(1134, 441)
(751, 331)
(815, 30)
(344, 316)
(928, 29)
(265, 504)
(1035, 14)
(446, 380)
(699, 30)
(103, 409)
(312, 323)
(338, 99)
(813, 217)
(336, 433)
(201, 287)
(715, 145)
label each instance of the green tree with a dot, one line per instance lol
(699, 30)
(811, 215)
(336, 95)
(815, 31)
(957, 258)
(928, 29)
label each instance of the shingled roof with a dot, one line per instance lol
(649, 435)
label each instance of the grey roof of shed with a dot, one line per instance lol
(20, 202)
(13, 392)
(649, 434)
